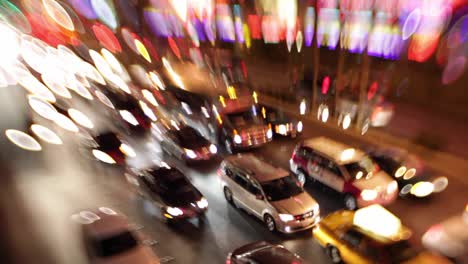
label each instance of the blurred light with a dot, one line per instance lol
(127, 150)
(213, 149)
(142, 50)
(106, 38)
(440, 184)
(325, 114)
(300, 126)
(129, 117)
(325, 85)
(54, 85)
(377, 220)
(101, 64)
(84, 8)
(422, 189)
(454, 69)
(237, 139)
(346, 121)
(14, 17)
(117, 80)
(205, 112)
(156, 80)
(107, 210)
(23, 140)
(104, 10)
(400, 172)
(180, 7)
(347, 154)
(174, 48)
(10, 45)
(232, 92)
(186, 108)
(58, 14)
(80, 118)
(299, 39)
(309, 26)
(46, 134)
(369, 195)
(91, 72)
(392, 187)
(42, 107)
(79, 88)
(328, 27)
(302, 107)
(65, 123)
(102, 156)
(149, 96)
(34, 53)
(103, 98)
(129, 39)
(411, 23)
(31, 84)
(151, 49)
(112, 61)
(147, 111)
(409, 174)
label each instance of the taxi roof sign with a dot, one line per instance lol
(377, 220)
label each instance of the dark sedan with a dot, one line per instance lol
(282, 124)
(263, 252)
(413, 177)
(109, 147)
(170, 194)
(187, 144)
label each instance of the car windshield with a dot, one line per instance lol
(245, 118)
(282, 188)
(362, 168)
(188, 134)
(115, 244)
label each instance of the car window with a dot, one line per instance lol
(228, 172)
(304, 153)
(332, 167)
(282, 188)
(115, 244)
(240, 179)
(253, 189)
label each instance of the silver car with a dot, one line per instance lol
(269, 193)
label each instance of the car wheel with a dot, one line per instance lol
(301, 177)
(350, 202)
(228, 195)
(334, 254)
(270, 222)
(228, 146)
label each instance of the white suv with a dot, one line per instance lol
(269, 193)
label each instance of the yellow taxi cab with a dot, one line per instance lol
(369, 235)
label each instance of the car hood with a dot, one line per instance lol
(296, 205)
(140, 254)
(379, 180)
(198, 144)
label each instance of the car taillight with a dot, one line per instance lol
(219, 172)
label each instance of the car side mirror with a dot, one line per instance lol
(259, 197)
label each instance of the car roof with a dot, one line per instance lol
(334, 150)
(107, 224)
(264, 252)
(260, 170)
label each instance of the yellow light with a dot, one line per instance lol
(346, 121)
(58, 14)
(232, 92)
(263, 112)
(23, 140)
(255, 97)
(221, 99)
(248, 41)
(400, 172)
(377, 220)
(142, 50)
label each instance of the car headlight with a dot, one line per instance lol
(174, 211)
(286, 217)
(102, 156)
(213, 149)
(422, 189)
(203, 203)
(300, 126)
(269, 133)
(409, 174)
(316, 208)
(127, 150)
(129, 117)
(282, 129)
(190, 153)
(237, 139)
(368, 195)
(392, 187)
